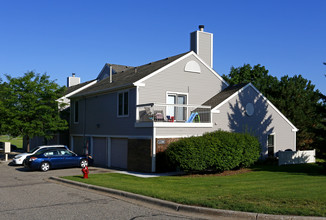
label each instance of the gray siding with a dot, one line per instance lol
(264, 121)
(232, 117)
(101, 117)
(205, 47)
(199, 86)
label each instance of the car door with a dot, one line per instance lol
(54, 158)
(69, 158)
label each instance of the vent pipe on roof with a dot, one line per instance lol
(201, 27)
(135, 69)
(110, 74)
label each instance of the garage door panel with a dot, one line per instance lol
(100, 151)
(119, 153)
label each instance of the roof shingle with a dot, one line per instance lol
(127, 77)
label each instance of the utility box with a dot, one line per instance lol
(7, 148)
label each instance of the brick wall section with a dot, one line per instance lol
(162, 147)
(140, 155)
(162, 163)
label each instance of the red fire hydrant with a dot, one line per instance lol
(85, 172)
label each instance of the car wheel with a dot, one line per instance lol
(45, 166)
(83, 163)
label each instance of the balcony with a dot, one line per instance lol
(173, 115)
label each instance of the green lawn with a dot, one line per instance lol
(289, 190)
(18, 141)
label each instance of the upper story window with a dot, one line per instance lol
(76, 112)
(123, 104)
(179, 113)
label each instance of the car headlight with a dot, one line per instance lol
(17, 157)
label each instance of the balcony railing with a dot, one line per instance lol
(175, 113)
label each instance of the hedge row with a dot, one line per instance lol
(216, 151)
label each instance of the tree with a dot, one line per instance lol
(1, 105)
(298, 100)
(257, 75)
(295, 97)
(30, 108)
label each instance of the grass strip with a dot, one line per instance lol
(287, 190)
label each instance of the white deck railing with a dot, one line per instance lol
(176, 113)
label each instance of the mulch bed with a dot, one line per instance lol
(225, 173)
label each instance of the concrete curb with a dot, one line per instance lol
(187, 208)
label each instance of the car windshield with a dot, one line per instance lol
(34, 150)
(41, 151)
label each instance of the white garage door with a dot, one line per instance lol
(100, 151)
(119, 153)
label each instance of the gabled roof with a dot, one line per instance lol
(224, 95)
(76, 87)
(227, 94)
(119, 68)
(128, 76)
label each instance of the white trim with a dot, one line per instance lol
(274, 139)
(172, 125)
(65, 97)
(123, 106)
(295, 140)
(177, 136)
(137, 103)
(176, 98)
(154, 151)
(139, 84)
(176, 61)
(162, 68)
(216, 111)
(212, 51)
(260, 95)
(211, 69)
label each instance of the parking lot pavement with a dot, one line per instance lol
(29, 195)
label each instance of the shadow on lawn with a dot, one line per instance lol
(311, 169)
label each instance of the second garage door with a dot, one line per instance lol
(100, 151)
(119, 153)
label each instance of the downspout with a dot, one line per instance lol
(84, 126)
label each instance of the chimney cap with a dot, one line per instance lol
(73, 74)
(201, 27)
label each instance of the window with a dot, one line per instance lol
(270, 145)
(76, 112)
(123, 104)
(179, 113)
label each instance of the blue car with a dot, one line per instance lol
(46, 159)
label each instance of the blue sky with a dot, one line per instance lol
(61, 37)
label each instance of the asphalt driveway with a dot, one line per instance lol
(30, 195)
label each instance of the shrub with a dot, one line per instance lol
(216, 151)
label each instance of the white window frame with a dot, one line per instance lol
(274, 144)
(176, 94)
(123, 103)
